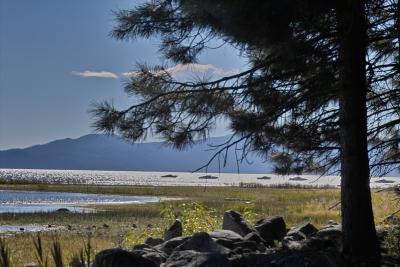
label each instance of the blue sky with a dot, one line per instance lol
(56, 58)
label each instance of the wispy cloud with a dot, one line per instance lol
(183, 69)
(96, 74)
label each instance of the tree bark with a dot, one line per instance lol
(360, 243)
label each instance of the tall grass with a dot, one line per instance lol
(5, 254)
(41, 258)
(56, 252)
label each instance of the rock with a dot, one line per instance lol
(226, 234)
(330, 232)
(307, 229)
(63, 210)
(141, 246)
(284, 258)
(150, 253)
(154, 241)
(175, 230)
(235, 222)
(332, 222)
(190, 258)
(168, 246)
(248, 246)
(271, 228)
(121, 258)
(292, 243)
(202, 242)
(256, 238)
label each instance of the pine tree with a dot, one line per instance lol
(321, 90)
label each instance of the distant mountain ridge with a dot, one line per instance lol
(101, 152)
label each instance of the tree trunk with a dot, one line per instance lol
(360, 243)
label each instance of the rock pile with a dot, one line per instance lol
(238, 244)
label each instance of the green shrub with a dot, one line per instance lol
(195, 217)
(392, 241)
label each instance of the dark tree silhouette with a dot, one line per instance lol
(321, 90)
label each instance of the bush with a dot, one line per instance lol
(391, 241)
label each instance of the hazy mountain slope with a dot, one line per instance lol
(100, 152)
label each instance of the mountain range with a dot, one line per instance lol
(102, 152)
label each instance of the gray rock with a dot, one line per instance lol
(190, 258)
(254, 237)
(226, 234)
(168, 246)
(235, 222)
(154, 241)
(141, 246)
(285, 258)
(152, 254)
(202, 242)
(248, 246)
(271, 228)
(307, 229)
(121, 258)
(175, 230)
(330, 232)
(292, 243)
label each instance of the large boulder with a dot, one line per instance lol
(121, 258)
(175, 230)
(271, 228)
(191, 258)
(235, 222)
(202, 242)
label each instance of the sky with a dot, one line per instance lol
(57, 58)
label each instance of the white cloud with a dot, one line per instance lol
(182, 69)
(96, 74)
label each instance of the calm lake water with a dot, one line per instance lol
(176, 178)
(35, 201)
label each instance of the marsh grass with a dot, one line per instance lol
(5, 254)
(41, 257)
(199, 209)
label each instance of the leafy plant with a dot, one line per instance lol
(195, 217)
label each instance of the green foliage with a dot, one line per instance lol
(5, 254)
(392, 241)
(195, 217)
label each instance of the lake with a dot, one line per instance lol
(177, 178)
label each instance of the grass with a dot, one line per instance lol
(123, 225)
